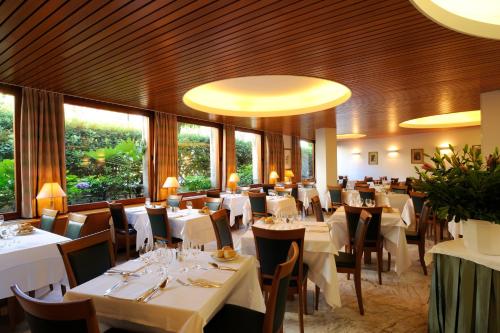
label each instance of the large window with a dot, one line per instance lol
(307, 151)
(105, 154)
(248, 161)
(7, 166)
(198, 156)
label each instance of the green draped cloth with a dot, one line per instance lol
(465, 296)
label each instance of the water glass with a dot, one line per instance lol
(189, 205)
(148, 202)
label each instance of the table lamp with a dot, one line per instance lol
(289, 176)
(51, 191)
(273, 177)
(171, 183)
(232, 182)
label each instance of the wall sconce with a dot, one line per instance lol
(356, 153)
(393, 150)
(444, 149)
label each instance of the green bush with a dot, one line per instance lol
(7, 186)
(194, 183)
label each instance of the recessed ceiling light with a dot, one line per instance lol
(267, 96)
(473, 17)
(350, 136)
(456, 119)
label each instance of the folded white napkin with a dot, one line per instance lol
(130, 266)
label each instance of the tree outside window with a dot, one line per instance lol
(248, 146)
(7, 165)
(307, 151)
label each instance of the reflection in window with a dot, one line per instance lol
(307, 152)
(197, 152)
(7, 166)
(248, 152)
(105, 154)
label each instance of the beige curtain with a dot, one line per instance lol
(42, 153)
(274, 156)
(164, 152)
(296, 159)
(229, 154)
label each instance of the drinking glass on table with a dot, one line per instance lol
(148, 202)
(189, 206)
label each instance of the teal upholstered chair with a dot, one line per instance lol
(418, 199)
(272, 248)
(45, 317)
(366, 193)
(350, 262)
(214, 204)
(48, 219)
(222, 229)
(258, 203)
(335, 192)
(87, 257)
(158, 219)
(401, 189)
(75, 225)
(174, 200)
(233, 318)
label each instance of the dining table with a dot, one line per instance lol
(276, 205)
(189, 225)
(195, 291)
(306, 194)
(393, 228)
(31, 261)
(319, 254)
(234, 202)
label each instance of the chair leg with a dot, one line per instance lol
(127, 250)
(379, 265)
(357, 285)
(63, 289)
(388, 261)
(421, 253)
(304, 296)
(301, 307)
(316, 298)
(51, 287)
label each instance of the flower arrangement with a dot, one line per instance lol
(463, 185)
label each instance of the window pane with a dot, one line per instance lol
(7, 167)
(105, 154)
(198, 151)
(307, 151)
(248, 149)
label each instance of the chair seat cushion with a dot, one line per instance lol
(233, 318)
(345, 259)
(130, 230)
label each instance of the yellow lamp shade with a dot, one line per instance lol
(273, 176)
(171, 182)
(50, 191)
(234, 178)
(289, 173)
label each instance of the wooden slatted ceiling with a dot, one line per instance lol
(147, 54)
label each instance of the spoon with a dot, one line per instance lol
(222, 268)
(161, 286)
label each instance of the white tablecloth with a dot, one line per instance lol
(275, 205)
(235, 203)
(178, 308)
(393, 230)
(319, 255)
(306, 194)
(191, 226)
(31, 261)
(456, 248)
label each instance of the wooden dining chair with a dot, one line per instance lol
(394, 180)
(214, 204)
(213, 193)
(158, 218)
(272, 248)
(222, 229)
(125, 234)
(318, 211)
(87, 257)
(344, 182)
(366, 193)
(267, 187)
(368, 179)
(255, 190)
(418, 199)
(75, 225)
(335, 192)
(69, 316)
(48, 219)
(233, 318)
(401, 189)
(96, 222)
(258, 204)
(350, 262)
(418, 237)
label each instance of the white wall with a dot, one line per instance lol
(490, 119)
(397, 164)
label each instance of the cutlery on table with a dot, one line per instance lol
(159, 287)
(148, 292)
(222, 268)
(204, 283)
(120, 283)
(194, 283)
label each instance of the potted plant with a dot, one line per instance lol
(465, 188)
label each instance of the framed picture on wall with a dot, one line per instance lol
(373, 158)
(417, 156)
(288, 159)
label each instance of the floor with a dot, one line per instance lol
(399, 305)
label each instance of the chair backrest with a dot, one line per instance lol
(256, 185)
(309, 184)
(258, 202)
(362, 228)
(344, 182)
(368, 179)
(213, 193)
(335, 193)
(49, 317)
(282, 192)
(367, 193)
(418, 199)
(267, 187)
(48, 219)
(118, 216)
(158, 219)
(352, 215)
(272, 248)
(96, 222)
(294, 190)
(394, 180)
(213, 204)
(318, 211)
(402, 189)
(374, 230)
(174, 200)
(276, 302)
(255, 190)
(87, 257)
(222, 229)
(75, 225)
(424, 217)
(383, 178)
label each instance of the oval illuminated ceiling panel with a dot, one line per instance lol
(456, 119)
(350, 136)
(267, 96)
(473, 17)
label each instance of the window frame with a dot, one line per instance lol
(17, 92)
(262, 145)
(313, 157)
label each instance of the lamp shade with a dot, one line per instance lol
(273, 175)
(50, 191)
(289, 173)
(171, 182)
(234, 178)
